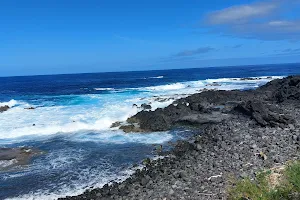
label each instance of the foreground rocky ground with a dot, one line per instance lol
(240, 133)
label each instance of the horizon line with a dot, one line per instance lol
(63, 74)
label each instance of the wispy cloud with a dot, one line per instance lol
(242, 13)
(201, 50)
(257, 20)
(289, 51)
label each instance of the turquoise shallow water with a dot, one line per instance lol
(74, 113)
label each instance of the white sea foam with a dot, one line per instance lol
(174, 86)
(7, 163)
(260, 79)
(86, 177)
(157, 77)
(10, 103)
(154, 77)
(96, 180)
(119, 137)
(62, 119)
(104, 89)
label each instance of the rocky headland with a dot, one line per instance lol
(239, 133)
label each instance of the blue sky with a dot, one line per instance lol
(73, 36)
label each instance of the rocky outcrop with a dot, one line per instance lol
(282, 90)
(129, 128)
(264, 114)
(10, 157)
(4, 108)
(145, 106)
(217, 106)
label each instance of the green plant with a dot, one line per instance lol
(269, 185)
(292, 172)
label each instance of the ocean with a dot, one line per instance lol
(73, 114)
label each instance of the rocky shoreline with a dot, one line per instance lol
(239, 133)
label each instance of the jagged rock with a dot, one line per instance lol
(4, 108)
(134, 105)
(115, 124)
(283, 89)
(145, 106)
(264, 114)
(130, 128)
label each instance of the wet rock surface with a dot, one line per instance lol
(11, 157)
(259, 132)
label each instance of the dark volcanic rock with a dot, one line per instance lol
(283, 89)
(130, 128)
(146, 106)
(3, 108)
(30, 108)
(200, 108)
(115, 124)
(215, 117)
(160, 119)
(264, 114)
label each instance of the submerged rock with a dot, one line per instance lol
(10, 157)
(30, 108)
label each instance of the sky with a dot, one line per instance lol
(82, 36)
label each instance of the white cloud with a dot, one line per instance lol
(281, 23)
(242, 13)
(258, 20)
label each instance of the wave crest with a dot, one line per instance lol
(10, 103)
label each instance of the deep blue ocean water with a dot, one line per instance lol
(73, 116)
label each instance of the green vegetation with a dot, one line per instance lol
(274, 184)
